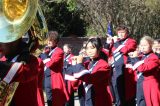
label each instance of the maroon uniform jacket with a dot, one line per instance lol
(130, 83)
(106, 51)
(59, 92)
(40, 83)
(98, 77)
(27, 76)
(71, 85)
(150, 84)
(129, 45)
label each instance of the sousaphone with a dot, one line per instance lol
(16, 18)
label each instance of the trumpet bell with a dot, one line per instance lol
(16, 17)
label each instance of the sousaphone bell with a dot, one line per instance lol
(16, 18)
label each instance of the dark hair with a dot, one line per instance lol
(96, 42)
(122, 27)
(53, 36)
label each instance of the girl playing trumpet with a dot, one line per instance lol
(94, 74)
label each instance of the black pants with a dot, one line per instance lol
(118, 84)
(81, 95)
(140, 93)
(131, 102)
(119, 95)
(48, 90)
(71, 100)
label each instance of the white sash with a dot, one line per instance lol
(120, 47)
(86, 88)
(136, 65)
(48, 59)
(83, 72)
(89, 85)
(14, 68)
(66, 59)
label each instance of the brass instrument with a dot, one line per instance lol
(6, 92)
(16, 18)
(40, 26)
(38, 30)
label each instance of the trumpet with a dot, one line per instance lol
(74, 60)
(77, 59)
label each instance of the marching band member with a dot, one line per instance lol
(156, 47)
(95, 75)
(119, 51)
(54, 82)
(22, 67)
(131, 79)
(148, 91)
(67, 48)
